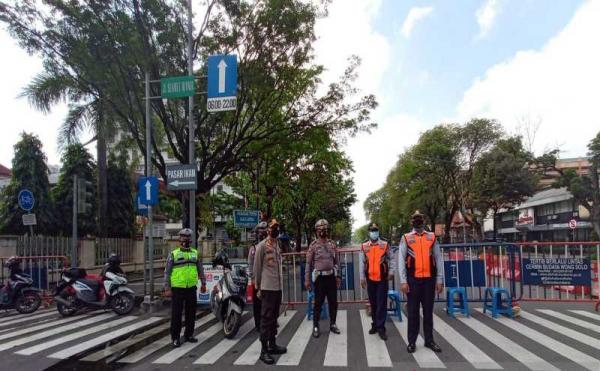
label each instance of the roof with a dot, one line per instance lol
(547, 196)
(4, 171)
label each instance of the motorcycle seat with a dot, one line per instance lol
(93, 284)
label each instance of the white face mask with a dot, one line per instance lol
(374, 235)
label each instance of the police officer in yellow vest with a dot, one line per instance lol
(183, 270)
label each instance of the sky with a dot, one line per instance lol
(428, 62)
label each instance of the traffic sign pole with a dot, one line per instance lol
(191, 130)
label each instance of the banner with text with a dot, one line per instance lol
(557, 271)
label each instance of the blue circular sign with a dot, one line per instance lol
(26, 200)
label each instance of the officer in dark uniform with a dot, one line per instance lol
(322, 269)
(419, 266)
(376, 269)
(261, 234)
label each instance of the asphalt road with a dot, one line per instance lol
(547, 336)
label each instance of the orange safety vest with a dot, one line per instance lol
(376, 268)
(420, 262)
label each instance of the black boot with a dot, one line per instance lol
(276, 349)
(264, 354)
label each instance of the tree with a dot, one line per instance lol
(103, 50)
(121, 216)
(585, 188)
(502, 178)
(29, 171)
(76, 160)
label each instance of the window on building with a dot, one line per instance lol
(563, 207)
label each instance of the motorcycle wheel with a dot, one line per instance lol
(64, 310)
(28, 302)
(231, 325)
(122, 303)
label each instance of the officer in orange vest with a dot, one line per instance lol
(419, 268)
(376, 267)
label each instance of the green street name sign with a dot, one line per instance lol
(177, 87)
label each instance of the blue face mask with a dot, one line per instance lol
(374, 235)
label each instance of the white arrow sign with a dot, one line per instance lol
(177, 183)
(148, 190)
(222, 67)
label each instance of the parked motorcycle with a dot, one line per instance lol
(78, 290)
(18, 293)
(228, 296)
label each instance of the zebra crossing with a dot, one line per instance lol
(541, 339)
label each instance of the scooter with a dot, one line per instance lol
(78, 290)
(19, 294)
(228, 297)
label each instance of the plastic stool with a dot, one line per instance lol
(395, 310)
(310, 306)
(494, 294)
(462, 307)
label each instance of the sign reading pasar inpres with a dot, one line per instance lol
(181, 177)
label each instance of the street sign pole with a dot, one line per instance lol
(192, 146)
(149, 254)
(74, 237)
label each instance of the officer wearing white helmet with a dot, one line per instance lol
(182, 273)
(322, 270)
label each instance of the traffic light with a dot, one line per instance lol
(84, 196)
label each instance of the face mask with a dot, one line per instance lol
(322, 234)
(374, 235)
(418, 224)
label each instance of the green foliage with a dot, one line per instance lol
(585, 187)
(502, 178)
(100, 51)
(360, 234)
(29, 171)
(121, 209)
(439, 175)
(76, 160)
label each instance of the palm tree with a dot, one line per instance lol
(86, 111)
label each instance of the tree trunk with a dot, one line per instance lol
(448, 223)
(494, 224)
(298, 237)
(102, 180)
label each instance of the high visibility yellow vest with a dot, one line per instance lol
(185, 268)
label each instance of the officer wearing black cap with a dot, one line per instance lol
(376, 267)
(419, 268)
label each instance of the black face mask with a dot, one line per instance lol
(322, 233)
(418, 224)
(274, 233)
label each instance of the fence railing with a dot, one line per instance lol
(43, 245)
(475, 267)
(121, 246)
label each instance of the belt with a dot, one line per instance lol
(325, 273)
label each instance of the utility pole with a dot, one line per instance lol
(191, 129)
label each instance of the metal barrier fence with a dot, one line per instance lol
(43, 245)
(106, 246)
(585, 255)
(472, 266)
